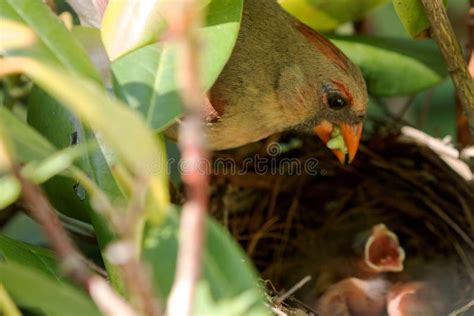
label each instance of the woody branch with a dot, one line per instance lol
(443, 33)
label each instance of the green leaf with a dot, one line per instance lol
(226, 268)
(55, 43)
(129, 24)
(393, 66)
(43, 160)
(32, 289)
(63, 128)
(146, 78)
(412, 14)
(326, 15)
(57, 124)
(29, 256)
(123, 129)
(29, 145)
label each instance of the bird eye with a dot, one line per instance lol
(336, 101)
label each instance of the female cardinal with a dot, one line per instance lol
(282, 75)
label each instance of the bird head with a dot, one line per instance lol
(340, 96)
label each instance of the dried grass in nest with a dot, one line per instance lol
(294, 226)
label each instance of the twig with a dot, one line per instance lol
(443, 33)
(470, 25)
(52, 5)
(40, 209)
(107, 300)
(123, 254)
(278, 312)
(185, 22)
(291, 291)
(463, 309)
(71, 260)
(135, 273)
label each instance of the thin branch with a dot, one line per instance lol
(72, 262)
(51, 4)
(40, 209)
(443, 33)
(107, 300)
(463, 309)
(185, 20)
(134, 273)
(292, 291)
(464, 137)
(470, 25)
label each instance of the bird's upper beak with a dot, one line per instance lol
(342, 138)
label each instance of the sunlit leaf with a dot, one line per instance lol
(146, 78)
(394, 67)
(10, 188)
(326, 15)
(412, 14)
(55, 43)
(129, 24)
(35, 290)
(8, 307)
(15, 35)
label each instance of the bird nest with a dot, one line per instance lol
(304, 222)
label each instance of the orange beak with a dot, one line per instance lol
(350, 133)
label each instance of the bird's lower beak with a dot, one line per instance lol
(342, 138)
